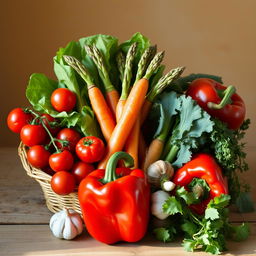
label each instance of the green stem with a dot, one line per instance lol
(110, 173)
(172, 153)
(47, 130)
(144, 61)
(154, 64)
(128, 71)
(120, 59)
(98, 59)
(79, 68)
(225, 100)
(165, 130)
(163, 82)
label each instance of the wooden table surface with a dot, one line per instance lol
(24, 221)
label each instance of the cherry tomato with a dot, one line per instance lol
(46, 119)
(17, 118)
(90, 149)
(80, 170)
(62, 161)
(62, 99)
(70, 135)
(63, 183)
(38, 156)
(32, 135)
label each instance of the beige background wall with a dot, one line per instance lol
(217, 37)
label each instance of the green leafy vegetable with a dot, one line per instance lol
(39, 92)
(164, 234)
(191, 122)
(206, 232)
(227, 147)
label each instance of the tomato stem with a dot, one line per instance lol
(110, 173)
(47, 130)
(225, 100)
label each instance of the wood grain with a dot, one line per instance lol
(24, 222)
(37, 240)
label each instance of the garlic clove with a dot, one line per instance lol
(76, 220)
(69, 231)
(159, 170)
(168, 186)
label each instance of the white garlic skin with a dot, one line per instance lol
(158, 198)
(66, 224)
(159, 170)
(168, 186)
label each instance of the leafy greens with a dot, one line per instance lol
(206, 232)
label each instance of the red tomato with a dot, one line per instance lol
(63, 183)
(90, 149)
(32, 135)
(17, 118)
(62, 161)
(38, 156)
(70, 135)
(62, 99)
(80, 170)
(46, 119)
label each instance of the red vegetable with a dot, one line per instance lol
(69, 135)
(115, 203)
(63, 183)
(32, 135)
(202, 166)
(17, 118)
(61, 161)
(62, 99)
(38, 156)
(80, 170)
(90, 149)
(48, 120)
(219, 101)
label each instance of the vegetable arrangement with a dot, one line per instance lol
(119, 131)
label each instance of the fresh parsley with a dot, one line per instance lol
(207, 232)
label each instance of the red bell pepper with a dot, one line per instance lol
(115, 202)
(202, 166)
(219, 101)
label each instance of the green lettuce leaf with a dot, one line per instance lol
(39, 92)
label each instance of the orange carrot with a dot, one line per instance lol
(132, 143)
(131, 111)
(120, 108)
(112, 98)
(142, 149)
(153, 153)
(102, 111)
(127, 120)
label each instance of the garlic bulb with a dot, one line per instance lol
(158, 199)
(158, 171)
(168, 186)
(66, 224)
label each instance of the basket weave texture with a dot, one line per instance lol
(54, 202)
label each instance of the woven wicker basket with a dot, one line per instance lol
(54, 202)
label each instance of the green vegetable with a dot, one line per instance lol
(39, 92)
(208, 232)
(143, 44)
(190, 123)
(228, 148)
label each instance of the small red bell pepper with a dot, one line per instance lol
(219, 101)
(115, 203)
(202, 166)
